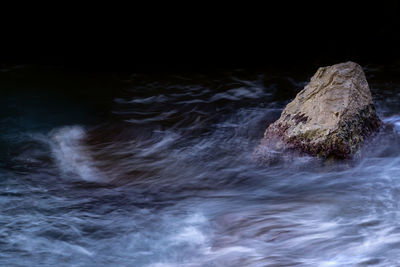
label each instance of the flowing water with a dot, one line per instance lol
(157, 170)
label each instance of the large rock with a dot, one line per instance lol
(330, 117)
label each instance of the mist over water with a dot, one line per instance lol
(157, 170)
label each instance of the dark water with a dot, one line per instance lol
(156, 170)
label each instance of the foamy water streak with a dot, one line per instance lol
(72, 155)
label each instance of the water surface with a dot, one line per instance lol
(121, 169)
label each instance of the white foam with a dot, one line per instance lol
(72, 155)
(192, 235)
(161, 264)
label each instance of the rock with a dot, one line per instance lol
(330, 118)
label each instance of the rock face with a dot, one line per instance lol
(330, 117)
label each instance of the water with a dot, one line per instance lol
(157, 170)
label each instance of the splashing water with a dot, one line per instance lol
(67, 145)
(166, 178)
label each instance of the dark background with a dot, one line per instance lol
(199, 36)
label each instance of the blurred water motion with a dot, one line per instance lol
(159, 172)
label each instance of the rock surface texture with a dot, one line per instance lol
(330, 117)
